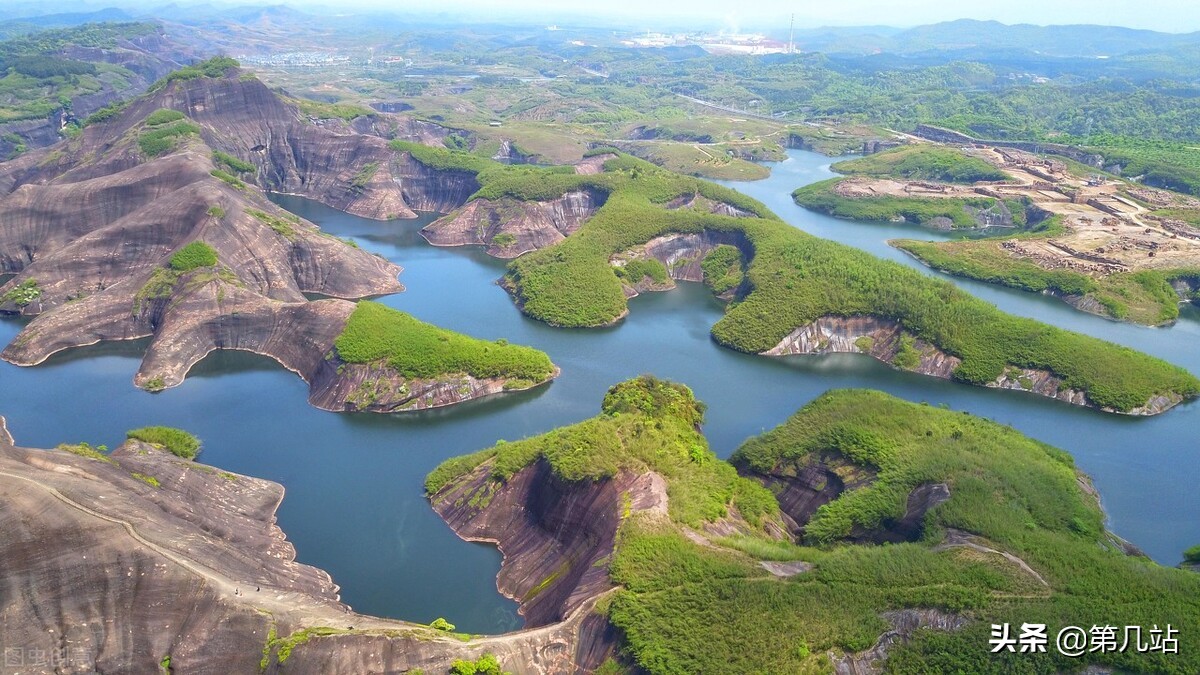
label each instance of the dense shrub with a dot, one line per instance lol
(192, 256)
(179, 442)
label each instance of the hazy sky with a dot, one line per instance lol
(1164, 15)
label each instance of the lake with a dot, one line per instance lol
(355, 505)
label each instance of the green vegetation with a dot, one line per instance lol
(163, 116)
(485, 665)
(233, 163)
(645, 424)
(1192, 555)
(98, 453)
(23, 294)
(215, 212)
(192, 256)
(723, 268)
(177, 441)
(148, 480)
(160, 140)
(637, 269)
(1144, 297)
(106, 113)
(795, 279)
(233, 181)
(442, 160)
(416, 349)
(327, 111)
(923, 162)
(687, 608)
(442, 625)
(39, 77)
(217, 66)
(359, 182)
(504, 239)
(962, 212)
(281, 226)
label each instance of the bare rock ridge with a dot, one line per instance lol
(510, 227)
(117, 563)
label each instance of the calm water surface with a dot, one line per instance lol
(354, 502)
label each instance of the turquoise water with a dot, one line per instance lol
(354, 503)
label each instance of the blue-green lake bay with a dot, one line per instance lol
(355, 505)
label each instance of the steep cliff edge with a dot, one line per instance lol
(510, 227)
(557, 537)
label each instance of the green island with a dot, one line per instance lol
(415, 349)
(1017, 540)
(961, 212)
(793, 279)
(922, 161)
(1144, 297)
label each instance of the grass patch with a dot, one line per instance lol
(23, 294)
(177, 441)
(228, 178)
(158, 141)
(162, 116)
(192, 256)
(282, 226)
(148, 480)
(923, 161)
(329, 111)
(98, 453)
(233, 163)
(416, 349)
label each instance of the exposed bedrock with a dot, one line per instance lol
(699, 202)
(802, 487)
(432, 190)
(682, 255)
(359, 387)
(884, 339)
(556, 536)
(115, 573)
(510, 227)
(904, 623)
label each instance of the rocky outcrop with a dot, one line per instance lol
(510, 227)
(904, 624)
(682, 255)
(879, 338)
(697, 202)
(949, 136)
(353, 387)
(556, 536)
(117, 564)
(803, 486)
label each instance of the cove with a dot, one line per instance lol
(354, 503)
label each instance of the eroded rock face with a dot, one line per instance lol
(904, 623)
(681, 254)
(803, 487)
(882, 339)
(357, 387)
(114, 574)
(510, 227)
(556, 536)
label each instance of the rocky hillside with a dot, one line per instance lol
(154, 224)
(142, 562)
